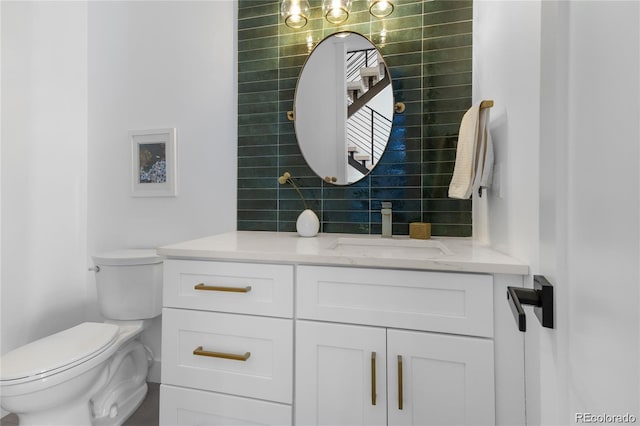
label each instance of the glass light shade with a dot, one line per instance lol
(295, 13)
(380, 8)
(336, 11)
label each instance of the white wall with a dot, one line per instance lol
(160, 65)
(506, 68)
(548, 350)
(566, 79)
(76, 77)
(44, 169)
(157, 65)
(604, 206)
(1, 240)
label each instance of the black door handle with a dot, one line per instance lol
(540, 296)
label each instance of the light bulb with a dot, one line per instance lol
(380, 8)
(336, 11)
(295, 13)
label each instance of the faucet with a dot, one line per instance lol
(386, 219)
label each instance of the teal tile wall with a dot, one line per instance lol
(428, 50)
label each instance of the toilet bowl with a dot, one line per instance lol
(93, 373)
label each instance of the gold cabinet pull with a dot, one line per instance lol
(373, 378)
(201, 352)
(399, 382)
(202, 286)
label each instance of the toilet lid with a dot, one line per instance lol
(58, 350)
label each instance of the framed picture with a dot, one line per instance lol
(153, 163)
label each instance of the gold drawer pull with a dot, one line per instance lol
(373, 378)
(202, 286)
(201, 352)
(399, 382)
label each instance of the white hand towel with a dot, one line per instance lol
(484, 168)
(464, 171)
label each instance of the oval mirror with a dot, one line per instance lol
(343, 108)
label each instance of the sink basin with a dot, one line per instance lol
(397, 247)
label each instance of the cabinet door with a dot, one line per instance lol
(340, 375)
(437, 379)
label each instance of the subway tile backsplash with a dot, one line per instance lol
(428, 47)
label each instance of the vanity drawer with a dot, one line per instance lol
(251, 288)
(418, 300)
(190, 407)
(194, 344)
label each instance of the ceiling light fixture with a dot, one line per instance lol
(336, 11)
(295, 13)
(380, 8)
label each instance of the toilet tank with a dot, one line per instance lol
(129, 284)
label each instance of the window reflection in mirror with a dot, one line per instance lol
(343, 108)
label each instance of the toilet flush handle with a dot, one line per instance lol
(95, 269)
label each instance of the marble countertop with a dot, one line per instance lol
(461, 254)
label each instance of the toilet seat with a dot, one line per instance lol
(58, 352)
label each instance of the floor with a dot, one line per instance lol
(146, 415)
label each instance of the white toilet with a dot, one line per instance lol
(93, 373)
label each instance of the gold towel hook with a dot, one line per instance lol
(486, 104)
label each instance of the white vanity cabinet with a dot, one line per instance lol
(270, 328)
(227, 343)
(374, 374)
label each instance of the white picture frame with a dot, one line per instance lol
(153, 163)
